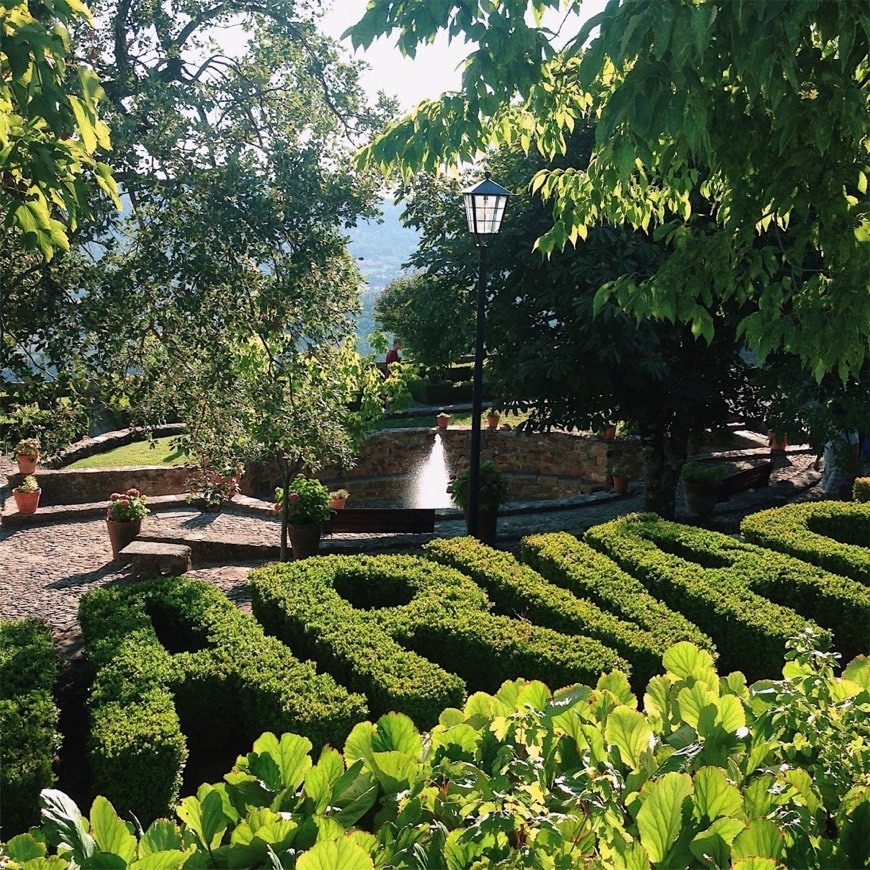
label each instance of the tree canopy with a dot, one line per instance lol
(50, 131)
(753, 115)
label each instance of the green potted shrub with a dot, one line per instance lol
(621, 475)
(701, 485)
(27, 495)
(124, 517)
(307, 508)
(27, 454)
(493, 494)
(492, 418)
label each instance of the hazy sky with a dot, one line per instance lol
(433, 71)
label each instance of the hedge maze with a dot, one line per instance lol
(335, 639)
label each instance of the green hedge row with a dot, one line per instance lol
(837, 603)
(518, 591)
(835, 535)
(749, 630)
(175, 654)
(575, 566)
(29, 739)
(378, 623)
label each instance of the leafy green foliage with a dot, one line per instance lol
(774, 220)
(51, 131)
(400, 629)
(29, 738)
(219, 666)
(492, 487)
(709, 772)
(833, 535)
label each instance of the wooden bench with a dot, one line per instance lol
(151, 559)
(756, 477)
(412, 520)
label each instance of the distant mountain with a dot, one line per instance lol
(381, 249)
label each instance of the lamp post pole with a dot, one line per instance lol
(484, 207)
(477, 394)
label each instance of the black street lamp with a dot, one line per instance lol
(484, 207)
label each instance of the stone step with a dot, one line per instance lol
(59, 512)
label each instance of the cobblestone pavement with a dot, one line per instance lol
(45, 569)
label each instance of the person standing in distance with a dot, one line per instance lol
(393, 353)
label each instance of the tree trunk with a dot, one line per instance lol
(285, 507)
(663, 458)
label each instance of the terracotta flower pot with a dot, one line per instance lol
(609, 433)
(492, 421)
(620, 484)
(27, 464)
(443, 421)
(338, 504)
(778, 443)
(304, 539)
(121, 534)
(27, 502)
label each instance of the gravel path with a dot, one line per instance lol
(45, 569)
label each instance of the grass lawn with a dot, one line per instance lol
(137, 453)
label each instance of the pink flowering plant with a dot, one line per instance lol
(308, 501)
(124, 507)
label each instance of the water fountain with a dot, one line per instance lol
(428, 484)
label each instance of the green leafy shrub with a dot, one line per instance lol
(221, 668)
(29, 739)
(309, 501)
(518, 591)
(837, 603)
(861, 489)
(710, 773)
(493, 487)
(710, 579)
(364, 618)
(566, 562)
(706, 477)
(834, 535)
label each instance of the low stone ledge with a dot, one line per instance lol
(61, 512)
(155, 559)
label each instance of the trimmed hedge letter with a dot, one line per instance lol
(378, 623)
(176, 651)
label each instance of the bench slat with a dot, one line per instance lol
(750, 478)
(415, 520)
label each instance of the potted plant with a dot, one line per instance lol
(701, 486)
(861, 489)
(443, 420)
(27, 495)
(27, 453)
(493, 489)
(778, 441)
(492, 418)
(124, 518)
(307, 508)
(609, 432)
(621, 475)
(338, 499)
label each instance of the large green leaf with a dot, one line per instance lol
(689, 663)
(290, 754)
(659, 820)
(696, 702)
(25, 847)
(394, 770)
(161, 836)
(342, 854)
(110, 833)
(63, 821)
(713, 845)
(715, 796)
(205, 818)
(353, 794)
(396, 732)
(628, 730)
(858, 671)
(171, 859)
(762, 839)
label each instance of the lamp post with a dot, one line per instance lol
(484, 208)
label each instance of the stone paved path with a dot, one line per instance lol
(45, 569)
